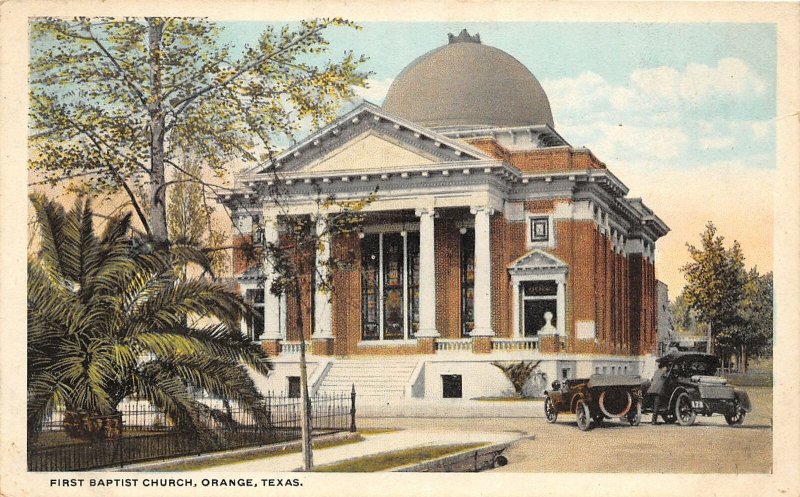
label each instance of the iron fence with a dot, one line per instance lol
(147, 434)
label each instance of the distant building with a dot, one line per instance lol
(493, 239)
(664, 328)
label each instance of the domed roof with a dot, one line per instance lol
(467, 84)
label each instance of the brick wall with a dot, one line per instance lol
(541, 160)
(245, 255)
(447, 247)
(346, 300)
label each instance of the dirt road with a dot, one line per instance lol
(710, 446)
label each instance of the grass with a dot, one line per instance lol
(192, 465)
(508, 399)
(377, 431)
(395, 459)
(48, 439)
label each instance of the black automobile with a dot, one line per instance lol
(692, 388)
(595, 399)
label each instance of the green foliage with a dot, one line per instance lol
(714, 280)
(110, 317)
(518, 373)
(752, 334)
(114, 100)
(721, 294)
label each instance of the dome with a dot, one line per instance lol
(468, 84)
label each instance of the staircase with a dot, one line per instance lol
(376, 380)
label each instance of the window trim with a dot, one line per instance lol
(559, 276)
(530, 220)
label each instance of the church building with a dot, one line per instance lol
(491, 239)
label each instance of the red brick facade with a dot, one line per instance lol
(614, 289)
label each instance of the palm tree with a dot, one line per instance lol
(111, 317)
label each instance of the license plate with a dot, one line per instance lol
(697, 404)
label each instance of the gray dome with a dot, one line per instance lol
(465, 83)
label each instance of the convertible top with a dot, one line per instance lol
(676, 355)
(600, 380)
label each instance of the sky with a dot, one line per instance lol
(683, 114)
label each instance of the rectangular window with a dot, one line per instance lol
(255, 322)
(389, 286)
(540, 229)
(412, 247)
(467, 282)
(392, 286)
(451, 386)
(370, 314)
(294, 386)
(539, 307)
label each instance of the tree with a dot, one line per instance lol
(518, 373)
(299, 267)
(752, 334)
(115, 101)
(714, 282)
(189, 214)
(110, 317)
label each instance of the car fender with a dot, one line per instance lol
(675, 394)
(743, 399)
(574, 401)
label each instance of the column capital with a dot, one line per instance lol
(475, 209)
(425, 211)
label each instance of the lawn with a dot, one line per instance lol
(396, 459)
(240, 456)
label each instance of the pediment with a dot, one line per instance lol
(537, 260)
(367, 151)
(370, 138)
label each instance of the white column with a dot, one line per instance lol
(272, 303)
(427, 275)
(516, 307)
(483, 272)
(322, 305)
(561, 308)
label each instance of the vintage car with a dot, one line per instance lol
(596, 398)
(691, 388)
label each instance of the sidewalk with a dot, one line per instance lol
(373, 444)
(450, 408)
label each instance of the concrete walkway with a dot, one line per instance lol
(374, 444)
(451, 408)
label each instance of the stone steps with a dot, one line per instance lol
(373, 379)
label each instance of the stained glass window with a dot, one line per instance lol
(467, 282)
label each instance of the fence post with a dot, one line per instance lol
(353, 408)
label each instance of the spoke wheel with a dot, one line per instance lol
(669, 418)
(684, 413)
(737, 417)
(583, 416)
(550, 412)
(634, 416)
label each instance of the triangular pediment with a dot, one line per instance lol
(537, 259)
(367, 151)
(369, 138)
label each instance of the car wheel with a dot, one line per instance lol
(737, 417)
(669, 418)
(634, 416)
(550, 411)
(684, 413)
(583, 416)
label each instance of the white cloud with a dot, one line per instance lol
(375, 91)
(699, 82)
(761, 128)
(717, 142)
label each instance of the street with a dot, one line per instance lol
(709, 446)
